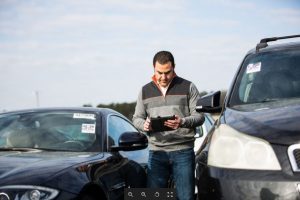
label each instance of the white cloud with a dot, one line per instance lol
(285, 16)
(98, 51)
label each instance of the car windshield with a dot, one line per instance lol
(62, 131)
(268, 77)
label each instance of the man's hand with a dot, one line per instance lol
(174, 124)
(147, 125)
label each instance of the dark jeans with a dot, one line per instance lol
(178, 164)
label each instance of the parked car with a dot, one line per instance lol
(202, 131)
(69, 153)
(253, 151)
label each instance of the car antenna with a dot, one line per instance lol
(264, 42)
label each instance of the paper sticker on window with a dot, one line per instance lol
(88, 128)
(251, 68)
(84, 116)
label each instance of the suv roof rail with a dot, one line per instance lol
(264, 42)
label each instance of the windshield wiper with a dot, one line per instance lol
(17, 149)
(268, 100)
(45, 149)
(26, 149)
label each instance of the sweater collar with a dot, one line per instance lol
(156, 82)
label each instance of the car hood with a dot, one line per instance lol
(279, 125)
(18, 166)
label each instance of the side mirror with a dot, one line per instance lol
(130, 141)
(209, 103)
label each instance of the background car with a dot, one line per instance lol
(69, 153)
(253, 151)
(202, 131)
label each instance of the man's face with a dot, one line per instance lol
(163, 73)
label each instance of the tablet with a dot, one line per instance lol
(157, 123)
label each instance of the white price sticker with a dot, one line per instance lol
(88, 128)
(251, 68)
(84, 116)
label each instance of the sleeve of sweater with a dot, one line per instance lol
(140, 115)
(195, 119)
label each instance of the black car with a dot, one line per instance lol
(253, 151)
(69, 153)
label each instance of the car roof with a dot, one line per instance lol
(47, 109)
(264, 46)
(275, 47)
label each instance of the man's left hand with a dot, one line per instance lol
(174, 124)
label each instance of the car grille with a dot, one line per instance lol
(294, 156)
(297, 156)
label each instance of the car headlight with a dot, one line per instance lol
(27, 192)
(230, 148)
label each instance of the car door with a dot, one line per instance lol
(116, 125)
(132, 168)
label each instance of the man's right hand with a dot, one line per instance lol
(147, 125)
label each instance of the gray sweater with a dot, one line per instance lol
(180, 99)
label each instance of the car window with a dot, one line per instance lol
(116, 126)
(269, 76)
(205, 127)
(208, 123)
(70, 131)
(202, 131)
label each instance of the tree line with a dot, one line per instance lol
(127, 109)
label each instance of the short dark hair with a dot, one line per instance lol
(164, 57)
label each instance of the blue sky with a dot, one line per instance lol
(75, 52)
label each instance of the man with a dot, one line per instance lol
(171, 152)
